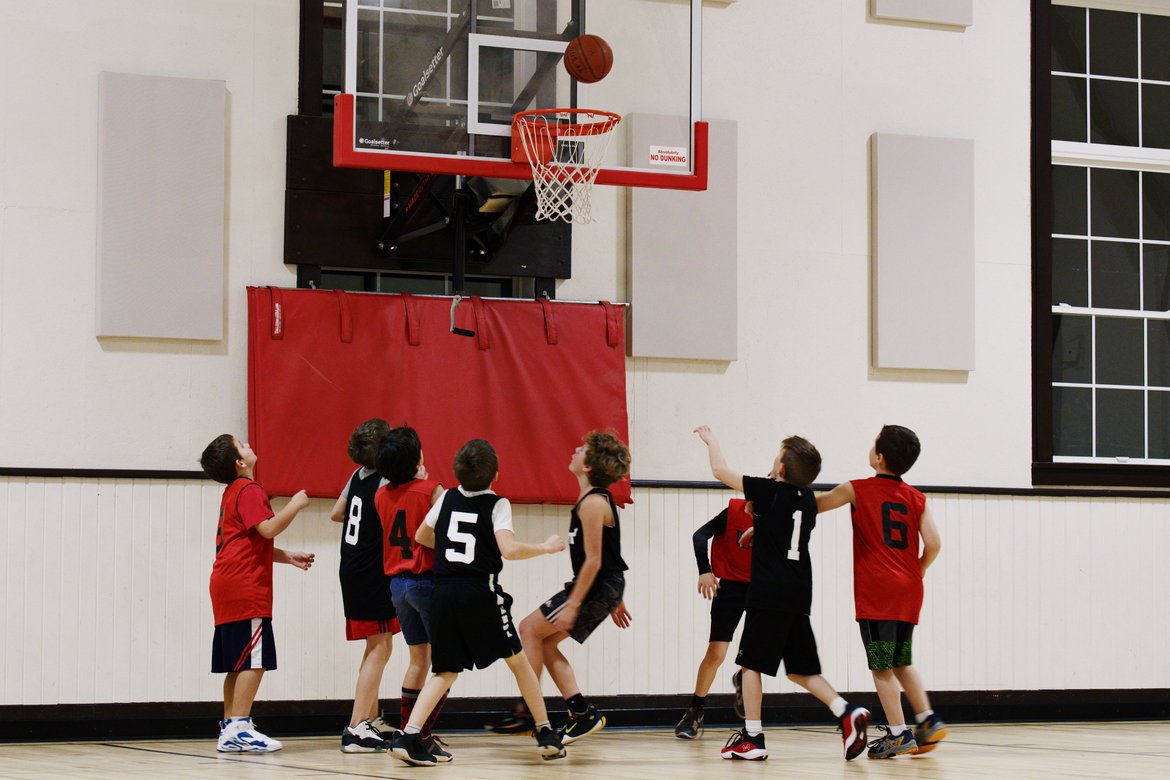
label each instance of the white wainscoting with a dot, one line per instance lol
(104, 594)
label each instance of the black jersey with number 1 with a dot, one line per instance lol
(365, 588)
(785, 517)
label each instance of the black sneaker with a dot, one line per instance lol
(435, 747)
(691, 725)
(410, 748)
(548, 742)
(362, 738)
(744, 746)
(582, 725)
(515, 722)
(737, 681)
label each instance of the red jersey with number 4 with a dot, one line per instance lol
(729, 561)
(402, 510)
(241, 577)
(887, 577)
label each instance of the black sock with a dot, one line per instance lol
(698, 701)
(576, 704)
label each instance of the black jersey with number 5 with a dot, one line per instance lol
(465, 538)
(785, 517)
(365, 588)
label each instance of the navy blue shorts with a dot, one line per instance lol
(412, 602)
(245, 644)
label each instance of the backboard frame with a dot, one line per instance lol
(348, 154)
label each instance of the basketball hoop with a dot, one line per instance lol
(565, 147)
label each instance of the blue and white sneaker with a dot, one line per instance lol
(241, 736)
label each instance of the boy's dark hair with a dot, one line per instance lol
(801, 461)
(607, 457)
(476, 465)
(899, 446)
(399, 455)
(365, 440)
(219, 459)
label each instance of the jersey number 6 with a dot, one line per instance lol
(890, 526)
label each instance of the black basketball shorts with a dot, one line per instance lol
(471, 624)
(602, 600)
(726, 609)
(243, 645)
(772, 636)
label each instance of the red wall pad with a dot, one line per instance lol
(533, 380)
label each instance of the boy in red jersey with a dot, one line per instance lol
(241, 587)
(724, 580)
(403, 504)
(889, 519)
(365, 588)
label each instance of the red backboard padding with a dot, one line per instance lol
(533, 380)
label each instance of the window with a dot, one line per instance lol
(1102, 250)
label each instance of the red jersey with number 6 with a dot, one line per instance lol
(887, 577)
(403, 510)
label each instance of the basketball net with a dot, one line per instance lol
(565, 147)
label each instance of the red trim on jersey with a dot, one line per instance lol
(413, 500)
(729, 561)
(241, 577)
(887, 577)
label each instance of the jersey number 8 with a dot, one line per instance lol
(353, 524)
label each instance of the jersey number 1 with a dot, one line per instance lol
(794, 543)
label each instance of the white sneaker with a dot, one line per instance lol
(362, 738)
(241, 736)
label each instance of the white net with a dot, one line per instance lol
(565, 148)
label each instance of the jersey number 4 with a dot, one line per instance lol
(894, 532)
(399, 537)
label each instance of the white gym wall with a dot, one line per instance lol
(105, 582)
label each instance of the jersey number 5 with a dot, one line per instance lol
(894, 532)
(398, 536)
(460, 537)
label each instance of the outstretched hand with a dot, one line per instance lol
(621, 616)
(554, 544)
(302, 560)
(705, 433)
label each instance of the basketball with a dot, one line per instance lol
(588, 58)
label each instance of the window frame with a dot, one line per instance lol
(1046, 470)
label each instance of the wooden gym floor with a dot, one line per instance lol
(1017, 751)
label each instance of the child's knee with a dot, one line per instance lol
(717, 652)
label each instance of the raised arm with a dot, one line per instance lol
(272, 527)
(931, 541)
(839, 496)
(719, 468)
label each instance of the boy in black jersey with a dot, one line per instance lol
(470, 529)
(595, 592)
(780, 594)
(365, 588)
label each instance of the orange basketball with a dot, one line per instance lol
(588, 58)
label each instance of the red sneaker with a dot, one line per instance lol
(742, 745)
(853, 724)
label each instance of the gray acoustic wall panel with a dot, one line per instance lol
(160, 208)
(923, 252)
(682, 247)
(958, 13)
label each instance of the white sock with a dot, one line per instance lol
(544, 724)
(410, 729)
(922, 716)
(838, 706)
(896, 730)
(754, 727)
